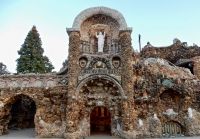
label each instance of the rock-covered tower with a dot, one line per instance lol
(100, 81)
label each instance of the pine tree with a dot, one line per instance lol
(31, 58)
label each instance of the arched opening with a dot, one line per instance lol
(171, 99)
(100, 121)
(96, 94)
(188, 66)
(22, 112)
(172, 129)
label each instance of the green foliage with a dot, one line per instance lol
(31, 58)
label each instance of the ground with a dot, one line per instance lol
(29, 134)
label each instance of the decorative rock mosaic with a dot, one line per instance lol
(151, 94)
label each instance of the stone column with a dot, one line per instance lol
(73, 71)
(91, 44)
(127, 68)
(127, 79)
(196, 66)
(109, 44)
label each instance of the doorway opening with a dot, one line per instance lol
(100, 121)
(172, 129)
(188, 66)
(22, 112)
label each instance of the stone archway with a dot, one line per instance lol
(99, 91)
(171, 99)
(100, 120)
(22, 112)
(106, 78)
(172, 129)
(19, 112)
(99, 10)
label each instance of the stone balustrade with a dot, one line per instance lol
(33, 80)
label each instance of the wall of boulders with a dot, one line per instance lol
(48, 116)
(172, 53)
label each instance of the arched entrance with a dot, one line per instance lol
(22, 112)
(99, 93)
(172, 129)
(100, 120)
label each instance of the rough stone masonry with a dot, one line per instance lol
(150, 94)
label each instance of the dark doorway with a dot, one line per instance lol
(100, 121)
(22, 112)
(188, 66)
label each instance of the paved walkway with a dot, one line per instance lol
(29, 134)
(101, 135)
(21, 134)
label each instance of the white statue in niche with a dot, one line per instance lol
(190, 113)
(100, 38)
(155, 116)
(140, 122)
(118, 126)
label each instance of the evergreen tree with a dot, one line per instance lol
(31, 58)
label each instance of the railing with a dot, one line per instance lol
(33, 80)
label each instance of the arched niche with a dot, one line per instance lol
(171, 99)
(99, 23)
(99, 10)
(105, 79)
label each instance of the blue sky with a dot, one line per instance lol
(158, 21)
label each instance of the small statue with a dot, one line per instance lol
(100, 38)
(155, 116)
(140, 122)
(118, 126)
(190, 113)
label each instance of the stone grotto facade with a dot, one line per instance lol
(150, 94)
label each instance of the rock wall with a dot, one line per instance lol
(49, 120)
(172, 53)
(196, 65)
(145, 95)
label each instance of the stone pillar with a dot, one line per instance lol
(91, 44)
(109, 44)
(196, 66)
(127, 68)
(83, 47)
(73, 71)
(127, 80)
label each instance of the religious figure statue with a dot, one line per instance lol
(155, 116)
(100, 38)
(140, 122)
(190, 115)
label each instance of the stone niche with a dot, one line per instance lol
(100, 23)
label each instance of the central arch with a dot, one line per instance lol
(106, 77)
(103, 94)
